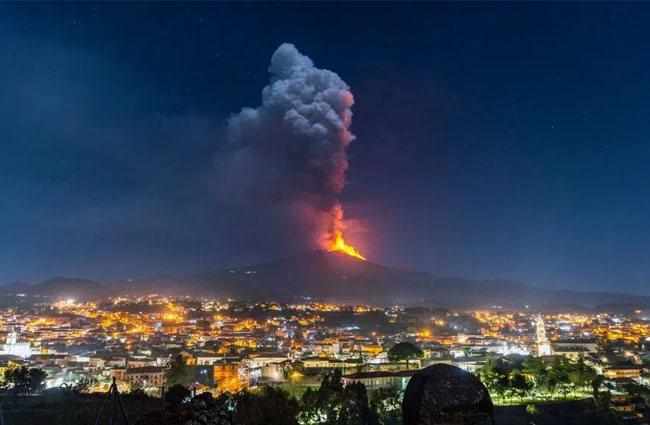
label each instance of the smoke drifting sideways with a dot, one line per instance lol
(285, 161)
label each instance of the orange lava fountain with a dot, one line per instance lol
(338, 244)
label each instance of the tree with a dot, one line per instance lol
(387, 404)
(581, 374)
(321, 406)
(85, 384)
(269, 406)
(136, 389)
(24, 380)
(16, 377)
(176, 394)
(596, 383)
(604, 347)
(404, 351)
(559, 374)
(355, 409)
(603, 401)
(637, 390)
(494, 375)
(535, 369)
(519, 384)
(177, 372)
(36, 381)
(310, 410)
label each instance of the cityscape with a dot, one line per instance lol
(231, 346)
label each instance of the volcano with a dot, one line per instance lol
(327, 274)
(333, 276)
(337, 276)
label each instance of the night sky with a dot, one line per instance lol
(492, 140)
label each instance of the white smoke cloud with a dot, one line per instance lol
(290, 152)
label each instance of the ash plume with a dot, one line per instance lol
(287, 157)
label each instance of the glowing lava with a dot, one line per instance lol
(338, 244)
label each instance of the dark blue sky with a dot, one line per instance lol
(493, 140)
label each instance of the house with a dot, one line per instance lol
(263, 360)
(380, 379)
(230, 376)
(622, 372)
(149, 376)
(470, 364)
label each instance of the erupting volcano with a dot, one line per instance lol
(291, 152)
(340, 245)
(333, 240)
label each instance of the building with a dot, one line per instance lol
(263, 360)
(139, 362)
(623, 403)
(203, 359)
(230, 376)
(101, 361)
(149, 376)
(376, 380)
(14, 348)
(470, 364)
(543, 345)
(573, 349)
(622, 372)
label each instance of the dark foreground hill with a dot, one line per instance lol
(334, 276)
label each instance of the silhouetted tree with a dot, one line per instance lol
(494, 375)
(322, 405)
(24, 380)
(596, 383)
(355, 409)
(581, 374)
(387, 403)
(177, 372)
(176, 394)
(85, 384)
(559, 374)
(404, 351)
(519, 385)
(269, 406)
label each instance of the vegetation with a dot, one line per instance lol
(270, 406)
(176, 394)
(387, 403)
(404, 351)
(532, 409)
(85, 384)
(533, 379)
(329, 404)
(333, 404)
(23, 380)
(177, 372)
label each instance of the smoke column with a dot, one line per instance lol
(291, 151)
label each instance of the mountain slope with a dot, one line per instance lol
(338, 276)
(329, 275)
(56, 287)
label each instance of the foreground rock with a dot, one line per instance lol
(445, 395)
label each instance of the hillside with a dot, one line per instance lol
(337, 276)
(328, 275)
